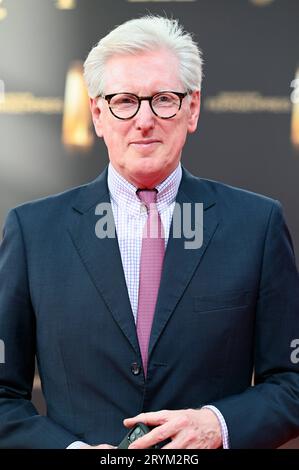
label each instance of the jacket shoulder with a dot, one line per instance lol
(234, 193)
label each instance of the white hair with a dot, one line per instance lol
(148, 33)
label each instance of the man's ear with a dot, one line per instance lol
(96, 116)
(194, 110)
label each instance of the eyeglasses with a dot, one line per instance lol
(165, 104)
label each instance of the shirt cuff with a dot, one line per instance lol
(76, 445)
(224, 430)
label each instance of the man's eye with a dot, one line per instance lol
(127, 100)
(124, 100)
(163, 99)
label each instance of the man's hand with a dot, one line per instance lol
(99, 446)
(187, 429)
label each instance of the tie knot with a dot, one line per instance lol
(147, 196)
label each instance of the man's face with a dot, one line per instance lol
(146, 148)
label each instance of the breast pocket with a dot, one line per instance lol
(223, 301)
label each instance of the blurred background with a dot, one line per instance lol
(248, 133)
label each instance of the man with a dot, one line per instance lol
(140, 327)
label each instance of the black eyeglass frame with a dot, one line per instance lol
(180, 95)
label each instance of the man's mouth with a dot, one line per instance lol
(145, 143)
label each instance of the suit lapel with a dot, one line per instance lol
(180, 263)
(101, 257)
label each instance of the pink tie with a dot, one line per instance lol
(151, 262)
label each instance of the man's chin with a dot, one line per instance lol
(146, 175)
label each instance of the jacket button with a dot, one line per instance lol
(135, 368)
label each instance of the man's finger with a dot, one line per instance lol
(153, 418)
(158, 434)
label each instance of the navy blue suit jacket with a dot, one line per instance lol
(224, 311)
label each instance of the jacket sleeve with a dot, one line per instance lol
(267, 414)
(20, 424)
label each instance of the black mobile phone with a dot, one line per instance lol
(136, 432)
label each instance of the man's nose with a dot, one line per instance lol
(145, 118)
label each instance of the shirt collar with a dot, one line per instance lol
(124, 194)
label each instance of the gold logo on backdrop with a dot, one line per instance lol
(261, 3)
(77, 124)
(247, 102)
(27, 103)
(66, 4)
(3, 11)
(295, 111)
